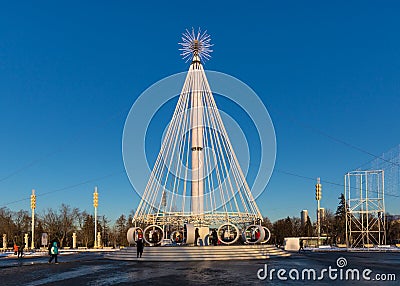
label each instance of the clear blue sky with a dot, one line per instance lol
(70, 71)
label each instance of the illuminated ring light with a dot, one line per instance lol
(175, 234)
(228, 225)
(267, 235)
(146, 234)
(133, 234)
(253, 228)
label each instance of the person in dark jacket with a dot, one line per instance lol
(215, 237)
(53, 251)
(196, 236)
(301, 245)
(21, 250)
(139, 246)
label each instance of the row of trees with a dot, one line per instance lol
(62, 223)
(333, 226)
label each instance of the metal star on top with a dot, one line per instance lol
(196, 44)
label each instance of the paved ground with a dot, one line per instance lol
(92, 269)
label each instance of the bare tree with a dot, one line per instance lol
(7, 224)
(68, 218)
(61, 224)
(22, 222)
(51, 224)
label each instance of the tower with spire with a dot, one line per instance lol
(197, 181)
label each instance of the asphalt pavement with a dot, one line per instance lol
(306, 268)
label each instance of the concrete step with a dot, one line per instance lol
(204, 250)
(186, 252)
(184, 259)
(199, 253)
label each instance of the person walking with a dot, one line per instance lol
(215, 237)
(196, 236)
(301, 245)
(21, 250)
(15, 249)
(139, 246)
(53, 252)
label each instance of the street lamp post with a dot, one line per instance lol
(33, 206)
(318, 194)
(95, 204)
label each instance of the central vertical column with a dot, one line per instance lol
(197, 140)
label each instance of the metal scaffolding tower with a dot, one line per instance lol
(365, 208)
(389, 162)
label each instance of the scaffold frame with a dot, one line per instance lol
(365, 208)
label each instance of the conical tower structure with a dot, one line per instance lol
(196, 181)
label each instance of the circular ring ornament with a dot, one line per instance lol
(153, 234)
(133, 234)
(254, 234)
(174, 236)
(228, 230)
(267, 235)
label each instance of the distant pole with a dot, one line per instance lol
(95, 204)
(318, 194)
(26, 240)
(164, 204)
(33, 206)
(4, 241)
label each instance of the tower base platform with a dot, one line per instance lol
(200, 253)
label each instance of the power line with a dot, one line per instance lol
(324, 181)
(78, 136)
(66, 188)
(306, 177)
(352, 146)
